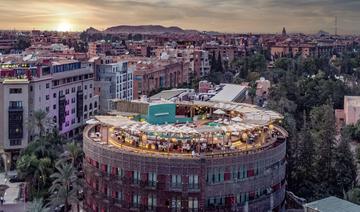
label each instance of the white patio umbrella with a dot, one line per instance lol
(237, 119)
(219, 112)
(92, 121)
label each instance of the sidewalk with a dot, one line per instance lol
(11, 194)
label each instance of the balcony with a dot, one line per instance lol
(176, 187)
(14, 108)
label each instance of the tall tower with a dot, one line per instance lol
(284, 31)
(335, 25)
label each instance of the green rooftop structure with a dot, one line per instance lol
(331, 204)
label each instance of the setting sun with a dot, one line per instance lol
(64, 27)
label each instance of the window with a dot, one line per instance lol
(136, 200)
(176, 204)
(47, 97)
(15, 90)
(54, 107)
(67, 91)
(72, 110)
(47, 109)
(193, 204)
(120, 172)
(85, 87)
(152, 178)
(47, 85)
(176, 181)
(242, 198)
(151, 202)
(73, 100)
(15, 142)
(119, 195)
(193, 181)
(73, 90)
(54, 95)
(15, 104)
(136, 177)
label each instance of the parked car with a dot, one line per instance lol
(15, 179)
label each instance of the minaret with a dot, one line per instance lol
(284, 31)
(335, 25)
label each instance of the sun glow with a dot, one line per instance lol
(64, 27)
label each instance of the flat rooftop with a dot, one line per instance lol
(332, 204)
(229, 92)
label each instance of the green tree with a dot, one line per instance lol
(252, 92)
(73, 154)
(283, 63)
(65, 186)
(41, 120)
(305, 161)
(358, 154)
(345, 167)
(323, 132)
(353, 195)
(37, 205)
(22, 43)
(37, 162)
(219, 64)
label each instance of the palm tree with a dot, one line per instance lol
(37, 206)
(73, 153)
(40, 119)
(26, 166)
(65, 186)
(44, 168)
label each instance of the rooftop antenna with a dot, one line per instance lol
(335, 25)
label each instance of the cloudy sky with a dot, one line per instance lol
(219, 15)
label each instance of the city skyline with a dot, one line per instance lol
(210, 15)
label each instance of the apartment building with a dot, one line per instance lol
(200, 63)
(65, 90)
(113, 81)
(62, 88)
(14, 116)
(151, 76)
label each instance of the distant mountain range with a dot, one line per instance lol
(142, 29)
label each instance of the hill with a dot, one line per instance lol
(147, 29)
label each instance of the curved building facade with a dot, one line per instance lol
(212, 164)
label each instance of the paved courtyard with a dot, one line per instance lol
(11, 204)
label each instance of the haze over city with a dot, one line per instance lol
(211, 15)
